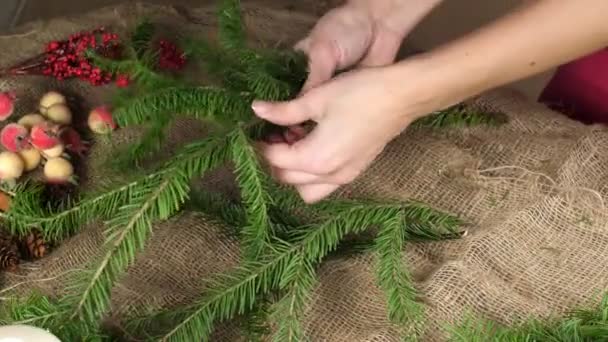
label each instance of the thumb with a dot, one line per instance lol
(285, 113)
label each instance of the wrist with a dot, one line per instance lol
(423, 84)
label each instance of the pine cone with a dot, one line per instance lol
(9, 252)
(33, 246)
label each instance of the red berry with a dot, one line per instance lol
(122, 81)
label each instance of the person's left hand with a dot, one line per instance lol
(356, 115)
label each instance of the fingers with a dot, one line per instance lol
(340, 177)
(284, 113)
(313, 193)
(283, 156)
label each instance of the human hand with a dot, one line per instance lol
(356, 115)
(361, 32)
(345, 36)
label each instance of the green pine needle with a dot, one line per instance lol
(588, 325)
(236, 292)
(252, 181)
(218, 63)
(42, 312)
(146, 147)
(299, 280)
(205, 103)
(256, 327)
(266, 87)
(231, 32)
(424, 223)
(127, 233)
(231, 294)
(218, 206)
(459, 116)
(392, 275)
(142, 37)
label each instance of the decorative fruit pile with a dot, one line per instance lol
(45, 139)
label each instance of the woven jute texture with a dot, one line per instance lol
(532, 192)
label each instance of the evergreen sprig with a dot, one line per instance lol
(253, 184)
(40, 311)
(584, 325)
(141, 38)
(392, 274)
(146, 147)
(212, 104)
(459, 116)
(126, 235)
(231, 31)
(298, 282)
(236, 292)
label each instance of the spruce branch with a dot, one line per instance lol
(392, 275)
(233, 293)
(578, 325)
(424, 223)
(231, 32)
(299, 280)
(231, 213)
(127, 233)
(206, 103)
(236, 292)
(141, 37)
(459, 116)
(42, 312)
(256, 327)
(266, 87)
(193, 160)
(252, 181)
(217, 62)
(158, 197)
(150, 143)
(56, 225)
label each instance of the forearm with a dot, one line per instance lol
(538, 36)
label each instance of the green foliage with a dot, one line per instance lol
(142, 37)
(40, 311)
(205, 103)
(579, 325)
(459, 116)
(156, 199)
(252, 181)
(393, 276)
(231, 30)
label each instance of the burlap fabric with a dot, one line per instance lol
(532, 192)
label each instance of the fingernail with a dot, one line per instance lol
(260, 108)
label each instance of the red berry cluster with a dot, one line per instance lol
(170, 57)
(66, 59)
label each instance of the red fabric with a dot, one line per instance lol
(580, 89)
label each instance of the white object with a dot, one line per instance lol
(25, 333)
